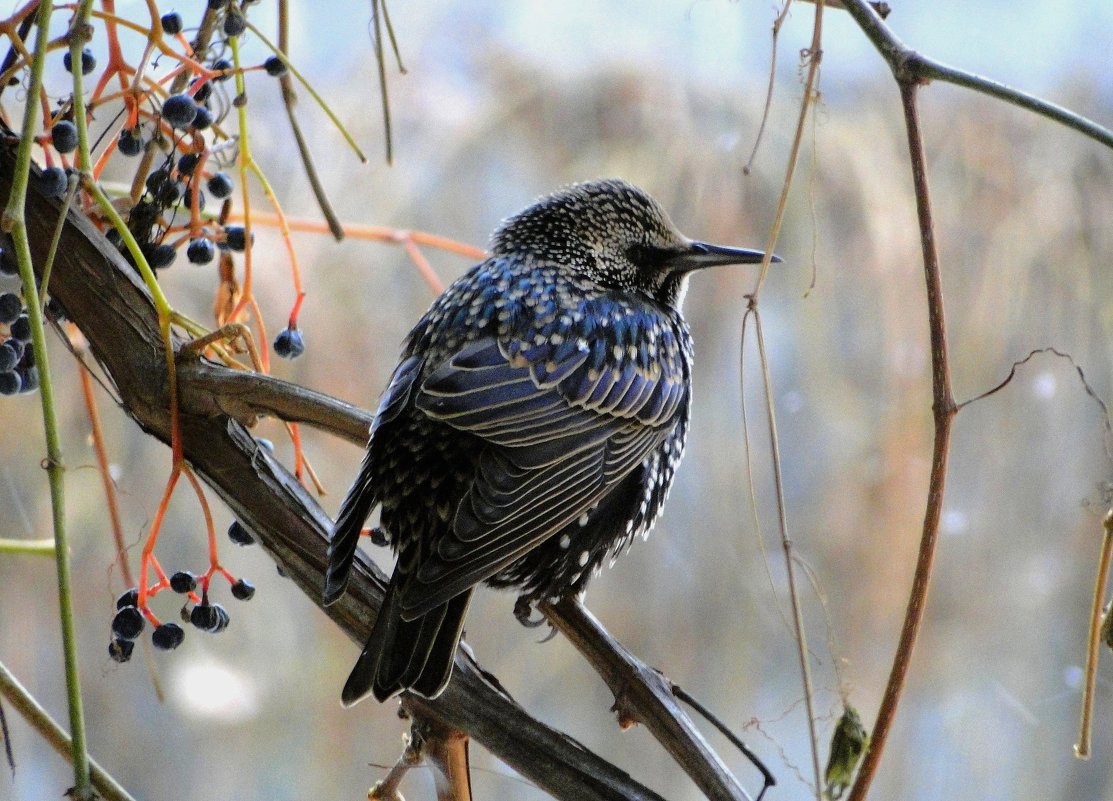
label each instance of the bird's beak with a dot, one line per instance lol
(700, 254)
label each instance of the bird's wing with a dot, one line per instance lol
(564, 430)
(361, 498)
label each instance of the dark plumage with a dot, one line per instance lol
(533, 426)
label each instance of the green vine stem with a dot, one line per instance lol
(41, 721)
(14, 220)
(42, 547)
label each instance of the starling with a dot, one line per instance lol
(532, 427)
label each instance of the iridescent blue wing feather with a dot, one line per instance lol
(565, 425)
(361, 497)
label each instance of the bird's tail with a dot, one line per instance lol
(407, 654)
(355, 508)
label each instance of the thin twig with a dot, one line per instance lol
(910, 66)
(943, 412)
(736, 741)
(1106, 422)
(39, 547)
(380, 59)
(447, 750)
(815, 56)
(41, 721)
(290, 101)
(643, 695)
(774, 38)
(1101, 581)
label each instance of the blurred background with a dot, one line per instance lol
(503, 102)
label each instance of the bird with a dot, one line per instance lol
(532, 427)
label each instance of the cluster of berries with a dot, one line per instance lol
(18, 372)
(130, 621)
(171, 184)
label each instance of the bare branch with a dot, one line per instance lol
(943, 414)
(909, 66)
(643, 695)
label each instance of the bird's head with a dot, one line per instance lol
(616, 235)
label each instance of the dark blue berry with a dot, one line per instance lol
(275, 67)
(212, 618)
(201, 93)
(220, 185)
(63, 135)
(129, 598)
(183, 581)
(156, 179)
(239, 535)
(10, 307)
(88, 61)
(8, 264)
(243, 590)
(10, 382)
(169, 193)
(17, 347)
(234, 23)
(21, 328)
(28, 357)
(179, 110)
(236, 239)
(203, 616)
(200, 251)
(172, 23)
(9, 357)
(29, 379)
(120, 650)
(128, 623)
(54, 182)
(161, 256)
(130, 142)
(203, 119)
(188, 163)
(289, 343)
(168, 636)
(222, 65)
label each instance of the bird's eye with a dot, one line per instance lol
(645, 257)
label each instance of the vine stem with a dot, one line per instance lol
(14, 220)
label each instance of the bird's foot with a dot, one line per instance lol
(523, 611)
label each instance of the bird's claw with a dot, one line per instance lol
(523, 611)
